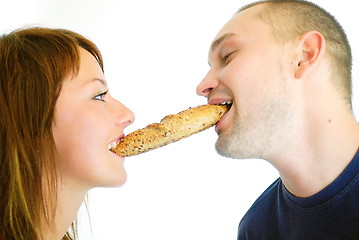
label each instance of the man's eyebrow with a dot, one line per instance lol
(221, 39)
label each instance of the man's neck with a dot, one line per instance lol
(323, 151)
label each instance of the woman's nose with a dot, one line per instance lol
(129, 117)
(124, 116)
(205, 87)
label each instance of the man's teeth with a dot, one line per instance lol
(226, 103)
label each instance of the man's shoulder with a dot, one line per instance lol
(261, 214)
(332, 213)
(267, 197)
(264, 204)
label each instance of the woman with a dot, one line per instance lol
(57, 123)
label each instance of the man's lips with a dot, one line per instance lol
(220, 123)
(219, 101)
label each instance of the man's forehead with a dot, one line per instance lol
(234, 24)
(220, 39)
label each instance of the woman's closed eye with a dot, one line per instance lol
(101, 96)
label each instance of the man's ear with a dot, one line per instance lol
(311, 49)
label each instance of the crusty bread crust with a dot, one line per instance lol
(171, 129)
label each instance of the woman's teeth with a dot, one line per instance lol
(113, 145)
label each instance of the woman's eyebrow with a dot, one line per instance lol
(102, 81)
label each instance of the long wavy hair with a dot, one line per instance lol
(34, 62)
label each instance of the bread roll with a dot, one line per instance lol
(171, 129)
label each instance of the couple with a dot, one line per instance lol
(284, 65)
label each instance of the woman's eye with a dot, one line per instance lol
(101, 96)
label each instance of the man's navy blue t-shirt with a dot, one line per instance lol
(332, 213)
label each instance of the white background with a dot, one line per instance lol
(155, 54)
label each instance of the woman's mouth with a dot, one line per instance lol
(114, 143)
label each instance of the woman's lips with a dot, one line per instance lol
(113, 144)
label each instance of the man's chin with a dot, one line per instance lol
(223, 149)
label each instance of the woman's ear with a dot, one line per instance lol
(311, 49)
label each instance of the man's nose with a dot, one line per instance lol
(208, 83)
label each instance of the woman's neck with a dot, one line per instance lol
(69, 200)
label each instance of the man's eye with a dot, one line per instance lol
(101, 96)
(226, 57)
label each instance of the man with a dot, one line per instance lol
(285, 66)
